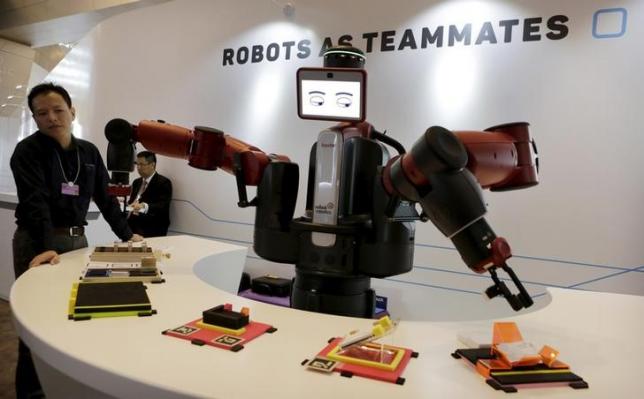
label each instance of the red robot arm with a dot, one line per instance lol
(204, 148)
(444, 172)
(501, 157)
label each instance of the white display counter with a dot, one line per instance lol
(598, 334)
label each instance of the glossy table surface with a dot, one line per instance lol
(599, 335)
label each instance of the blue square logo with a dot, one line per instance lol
(609, 23)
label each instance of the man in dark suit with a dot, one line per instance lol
(149, 204)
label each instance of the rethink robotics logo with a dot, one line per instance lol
(606, 23)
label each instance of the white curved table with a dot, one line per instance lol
(598, 334)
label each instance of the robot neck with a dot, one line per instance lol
(352, 129)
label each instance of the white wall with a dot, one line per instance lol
(6, 268)
(580, 228)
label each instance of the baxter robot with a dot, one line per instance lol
(360, 203)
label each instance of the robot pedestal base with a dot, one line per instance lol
(344, 296)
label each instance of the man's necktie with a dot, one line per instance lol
(144, 185)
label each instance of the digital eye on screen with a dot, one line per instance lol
(344, 100)
(316, 98)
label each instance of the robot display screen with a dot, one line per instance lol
(332, 94)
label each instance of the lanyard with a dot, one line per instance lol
(60, 163)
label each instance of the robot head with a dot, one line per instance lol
(336, 92)
(344, 57)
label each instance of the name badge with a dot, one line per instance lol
(70, 189)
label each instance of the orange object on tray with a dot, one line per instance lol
(509, 350)
(510, 362)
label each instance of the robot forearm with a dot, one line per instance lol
(204, 147)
